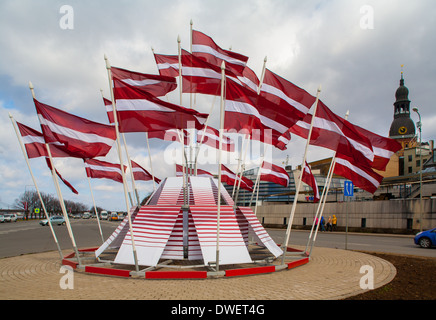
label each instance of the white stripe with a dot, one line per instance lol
(248, 83)
(333, 127)
(102, 168)
(140, 83)
(140, 105)
(279, 93)
(205, 73)
(33, 139)
(246, 108)
(383, 153)
(74, 134)
(358, 171)
(206, 49)
(167, 65)
(266, 171)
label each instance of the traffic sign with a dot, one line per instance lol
(37, 210)
(348, 189)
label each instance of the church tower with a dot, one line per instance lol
(402, 127)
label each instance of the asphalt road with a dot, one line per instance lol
(25, 237)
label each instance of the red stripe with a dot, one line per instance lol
(248, 271)
(108, 271)
(298, 263)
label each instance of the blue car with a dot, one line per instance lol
(426, 239)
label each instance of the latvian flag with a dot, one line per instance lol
(97, 169)
(139, 173)
(273, 173)
(229, 177)
(309, 179)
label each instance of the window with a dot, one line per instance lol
(410, 158)
(418, 163)
(410, 169)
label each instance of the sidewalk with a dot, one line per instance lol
(330, 274)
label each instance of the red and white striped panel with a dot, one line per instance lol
(202, 191)
(243, 225)
(171, 191)
(174, 247)
(152, 228)
(224, 194)
(117, 237)
(262, 236)
(232, 248)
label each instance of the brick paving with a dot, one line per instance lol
(331, 274)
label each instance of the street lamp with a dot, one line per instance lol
(419, 126)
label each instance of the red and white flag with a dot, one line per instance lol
(200, 172)
(273, 173)
(205, 47)
(138, 111)
(229, 177)
(200, 76)
(309, 179)
(249, 79)
(35, 147)
(170, 135)
(361, 175)
(97, 169)
(211, 138)
(34, 144)
(383, 148)
(245, 112)
(167, 65)
(335, 133)
(69, 185)
(156, 85)
(139, 173)
(79, 137)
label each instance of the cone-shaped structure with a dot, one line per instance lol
(166, 229)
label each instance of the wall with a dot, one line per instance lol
(398, 216)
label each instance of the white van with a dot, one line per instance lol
(104, 215)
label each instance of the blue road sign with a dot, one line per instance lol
(348, 189)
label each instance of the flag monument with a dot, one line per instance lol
(191, 217)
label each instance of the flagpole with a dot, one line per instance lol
(36, 185)
(129, 161)
(332, 166)
(95, 209)
(257, 182)
(223, 79)
(58, 190)
(135, 257)
(241, 162)
(321, 200)
(151, 164)
(294, 205)
(262, 75)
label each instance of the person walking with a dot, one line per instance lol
(329, 224)
(322, 223)
(334, 222)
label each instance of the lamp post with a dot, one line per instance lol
(419, 126)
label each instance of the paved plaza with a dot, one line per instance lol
(331, 274)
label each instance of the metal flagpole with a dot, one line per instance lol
(243, 151)
(58, 190)
(135, 257)
(149, 158)
(95, 210)
(36, 185)
(223, 79)
(131, 170)
(291, 216)
(332, 169)
(323, 195)
(256, 183)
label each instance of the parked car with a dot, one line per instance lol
(2, 218)
(114, 216)
(104, 215)
(426, 239)
(55, 220)
(86, 215)
(11, 217)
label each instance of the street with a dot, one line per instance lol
(25, 237)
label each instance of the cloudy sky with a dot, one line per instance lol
(353, 49)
